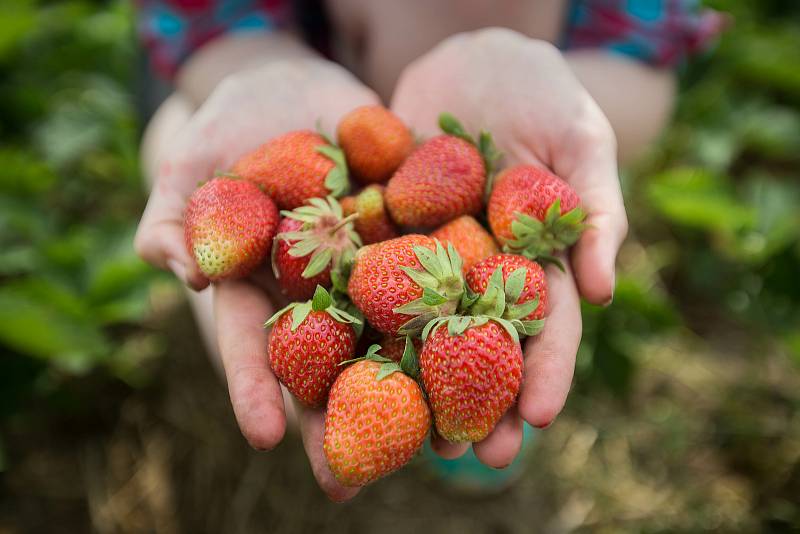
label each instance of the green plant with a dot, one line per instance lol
(72, 291)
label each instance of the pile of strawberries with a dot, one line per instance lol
(406, 311)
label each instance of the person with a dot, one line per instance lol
(573, 86)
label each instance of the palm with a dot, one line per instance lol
(523, 92)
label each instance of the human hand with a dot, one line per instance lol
(246, 109)
(523, 92)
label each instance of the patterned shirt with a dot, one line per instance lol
(658, 32)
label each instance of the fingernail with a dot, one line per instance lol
(178, 269)
(613, 288)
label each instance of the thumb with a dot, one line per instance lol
(587, 159)
(160, 240)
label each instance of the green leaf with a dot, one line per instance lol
(553, 212)
(32, 325)
(304, 247)
(272, 320)
(518, 311)
(321, 300)
(414, 307)
(491, 158)
(318, 262)
(456, 263)
(337, 180)
(372, 351)
(414, 326)
(431, 327)
(515, 284)
(409, 363)
(529, 328)
(342, 316)
(451, 126)
(338, 281)
(387, 369)
(468, 298)
(432, 298)
(698, 199)
(299, 314)
(508, 327)
(429, 261)
(443, 260)
(422, 279)
(458, 325)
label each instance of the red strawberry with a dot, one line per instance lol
(394, 347)
(472, 242)
(531, 284)
(308, 342)
(376, 421)
(375, 142)
(314, 243)
(373, 223)
(443, 178)
(295, 167)
(229, 225)
(534, 212)
(400, 284)
(471, 369)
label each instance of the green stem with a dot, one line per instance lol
(338, 226)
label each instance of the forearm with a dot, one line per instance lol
(232, 53)
(636, 98)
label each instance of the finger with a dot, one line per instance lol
(589, 163)
(240, 310)
(160, 239)
(550, 356)
(500, 447)
(447, 449)
(312, 428)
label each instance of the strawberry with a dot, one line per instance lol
(373, 223)
(443, 178)
(394, 348)
(471, 369)
(228, 227)
(295, 167)
(308, 342)
(534, 212)
(401, 284)
(375, 142)
(315, 242)
(524, 282)
(472, 242)
(376, 421)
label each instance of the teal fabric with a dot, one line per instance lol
(468, 474)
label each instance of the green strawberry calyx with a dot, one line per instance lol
(442, 286)
(336, 180)
(458, 324)
(537, 239)
(326, 235)
(485, 145)
(409, 363)
(501, 301)
(321, 301)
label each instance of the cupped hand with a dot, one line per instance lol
(523, 92)
(246, 109)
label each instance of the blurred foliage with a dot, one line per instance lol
(714, 207)
(73, 291)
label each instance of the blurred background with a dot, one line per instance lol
(685, 411)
